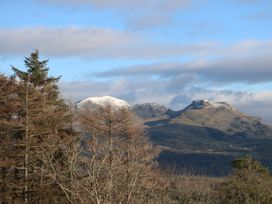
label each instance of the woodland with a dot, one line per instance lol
(52, 151)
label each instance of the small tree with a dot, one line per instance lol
(250, 183)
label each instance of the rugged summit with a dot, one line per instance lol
(198, 104)
(223, 117)
(149, 110)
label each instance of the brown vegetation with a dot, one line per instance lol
(55, 153)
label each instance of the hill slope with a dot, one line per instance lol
(205, 136)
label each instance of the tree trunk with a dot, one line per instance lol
(26, 187)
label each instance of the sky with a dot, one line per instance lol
(165, 51)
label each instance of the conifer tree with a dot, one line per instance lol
(42, 118)
(10, 140)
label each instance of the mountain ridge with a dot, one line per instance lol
(199, 112)
(204, 133)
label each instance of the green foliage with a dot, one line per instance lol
(249, 184)
(37, 71)
(247, 163)
(44, 92)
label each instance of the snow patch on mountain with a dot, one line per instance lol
(199, 104)
(148, 110)
(105, 101)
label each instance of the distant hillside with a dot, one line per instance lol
(198, 136)
(205, 136)
(221, 116)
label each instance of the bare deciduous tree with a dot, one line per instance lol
(113, 163)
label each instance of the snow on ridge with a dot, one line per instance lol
(197, 104)
(219, 104)
(106, 100)
(119, 103)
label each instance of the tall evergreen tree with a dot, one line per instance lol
(42, 118)
(9, 139)
(45, 94)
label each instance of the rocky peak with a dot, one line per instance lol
(149, 110)
(199, 104)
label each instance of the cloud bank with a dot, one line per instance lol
(223, 71)
(176, 84)
(91, 43)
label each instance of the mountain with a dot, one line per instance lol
(222, 116)
(144, 111)
(149, 110)
(205, 136)
(103, 101)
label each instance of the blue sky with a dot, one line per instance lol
(165, 51)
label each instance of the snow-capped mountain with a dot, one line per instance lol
(104, 101)
(221, 116)
(144, 111)
(207, 136)
(215, 131)
(198, 104)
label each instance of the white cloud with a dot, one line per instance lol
(90, 43)
(93, 42)
(243, 62)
